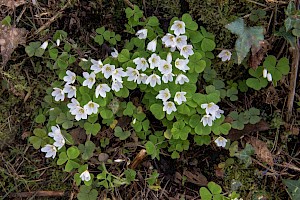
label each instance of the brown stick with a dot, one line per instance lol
(293, 80)
(138, 159)
(39, 194)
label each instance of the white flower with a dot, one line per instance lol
(50, 150)
(217, 114)
(58, 94)
(57, 136)
(181, 41)
(44, 45)
(269, 77)
(178, 27)
(186, 51)
(101, 90)
(134, 121)
(118, 74)
(70, 78)
(265, 72)
(224, 55)
(132, 74)
(220, 141)
(154, 61)
(164, 95)
(70, 90)
(97, 66)
(169, 40)
(73, 105)
(58, 42)
(107, 70)
(79, 113)
(90, 79)
(180, 97)
(167, 77)
(85, 176)
(141, 63)
(83, 59)
(152, 45)
(115, 53)
(116, 85)
(182, 64)
(59, 142)
(169, 107)
(210, 108)
(207, 120)
(169, 57)
(181, 79)
(153, 79)
(142, 78)
(165, 67)
(56, 132)
(91, 108)
(142, 34)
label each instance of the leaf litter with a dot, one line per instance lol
(10, 38)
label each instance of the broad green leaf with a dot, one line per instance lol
(88, 150)
(214, 188)
(151, 149)
(73, 152)
(293, 188)
(157, 111)
(202, 139)
(245, 154)
(124, 56)
(189, 23)
(153, 21)
(122, 135)
(205, 194)
(62, 158)
(208, 44)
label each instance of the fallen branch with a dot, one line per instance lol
(39, 194)
(294, 74)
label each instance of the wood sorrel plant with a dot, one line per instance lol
(164, 67)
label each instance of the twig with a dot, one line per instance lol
(52, 19)
(39, 194)
(293, 77)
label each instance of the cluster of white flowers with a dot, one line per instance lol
(212, 111)
(59, 142)
(267, 75)
(162, 71)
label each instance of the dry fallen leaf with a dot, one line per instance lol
(78, 135)
(195, 177)
(261, 150)
(12, 3)
(10, 38)
(258, 53)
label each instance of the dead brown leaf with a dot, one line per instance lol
(195, 177)
(258, 53)
(10, 38)
(12, 3)
(78, 135)
(261, 150)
